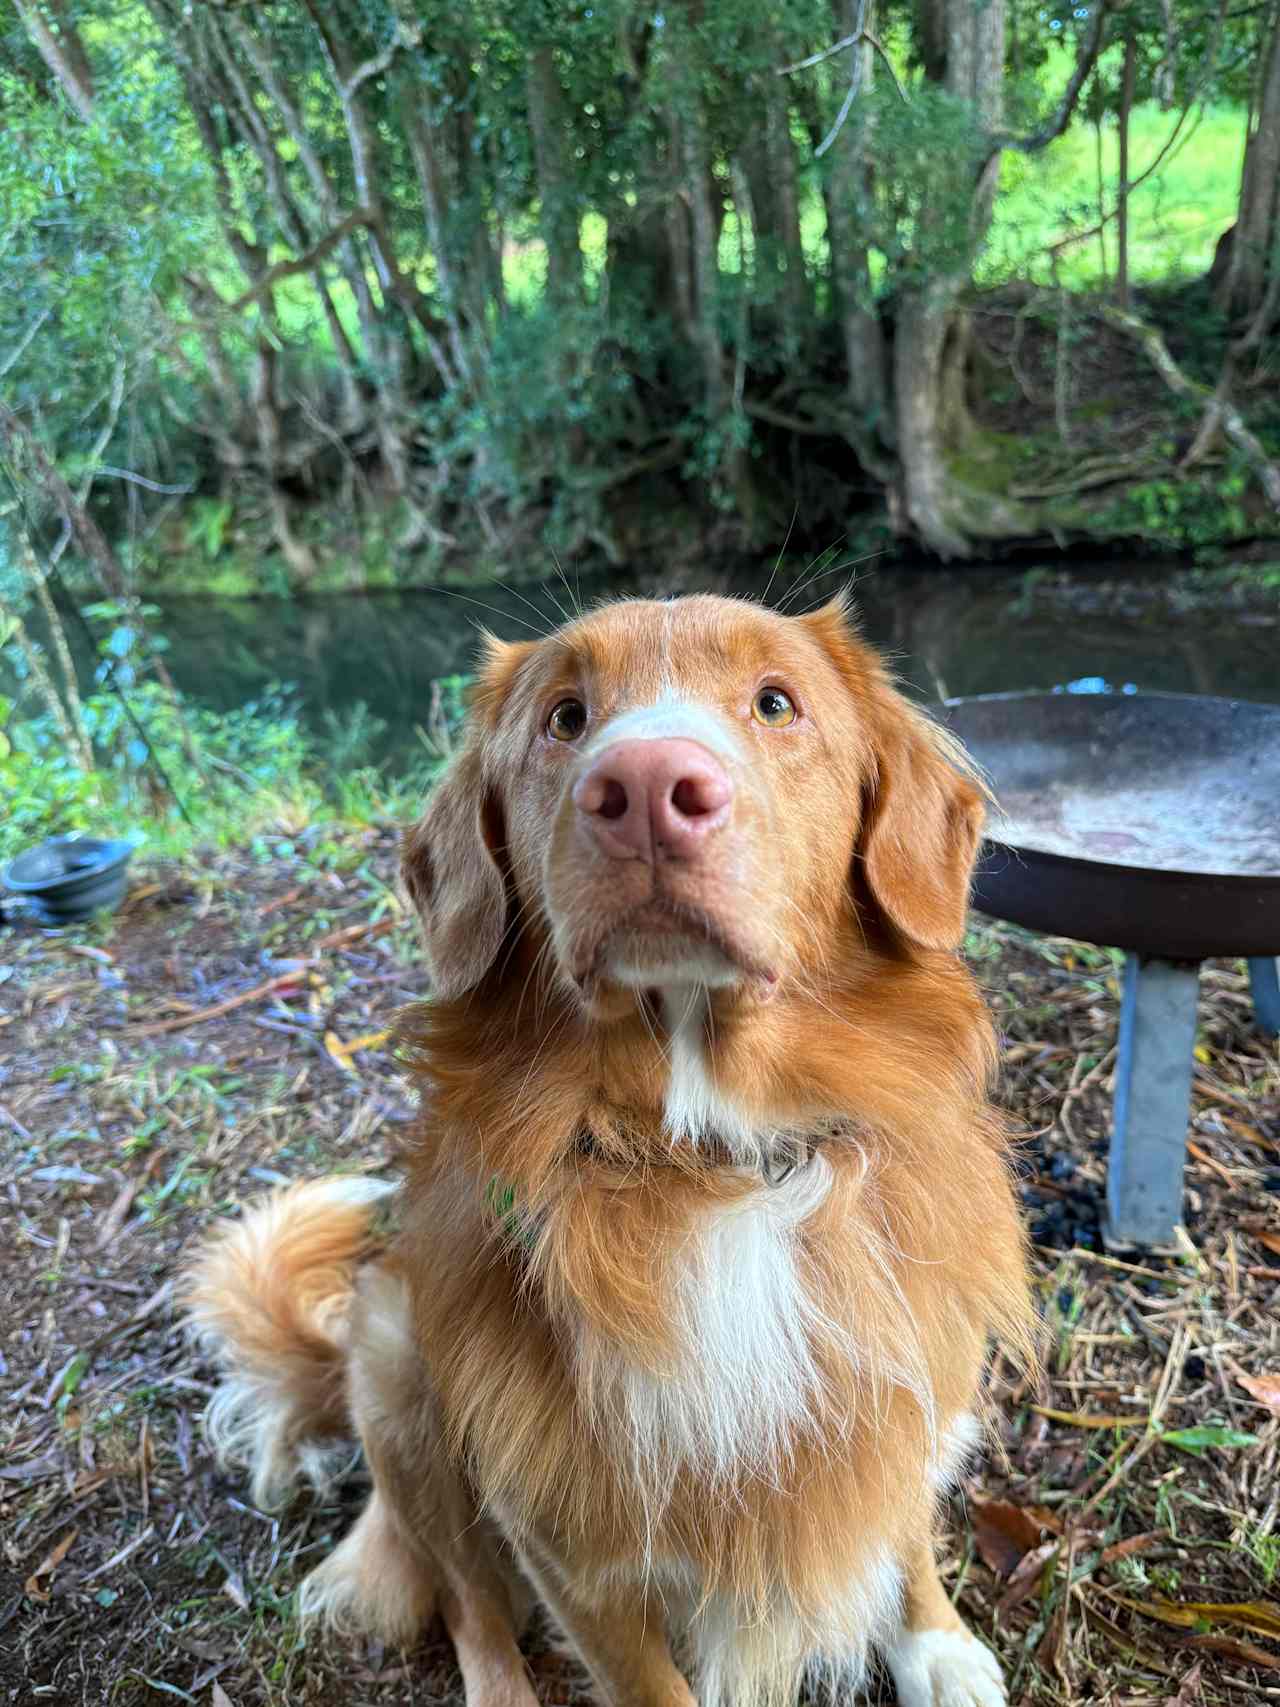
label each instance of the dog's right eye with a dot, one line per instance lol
(567, 721)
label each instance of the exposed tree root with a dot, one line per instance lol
(1219, 410)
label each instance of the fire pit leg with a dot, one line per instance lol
(1264, 982)
(1154, 1064)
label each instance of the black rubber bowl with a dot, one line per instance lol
(70, 877)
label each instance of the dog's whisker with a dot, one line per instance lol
(515, 592)
(764, 597)
(494, 610)
(574, 600)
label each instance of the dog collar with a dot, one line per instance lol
(787, 1156)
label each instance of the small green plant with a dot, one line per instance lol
(1187, 512)
(1264, 1550)
(207, 523)
(178, 775)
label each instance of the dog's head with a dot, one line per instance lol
(689, 792)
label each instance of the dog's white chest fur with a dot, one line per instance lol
(746, 1380)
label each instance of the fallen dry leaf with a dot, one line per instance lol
(336, 1050)
(114, 1218)
(1023, 1582)
(1270, 1240)
(1087, 1419)
(218, 1696)
(370, 1040)
(48, 1566)
(235, 1590)
(1259, 1616)
(1248, 1653)
(1264, 1388)
(1003, 1533)
(1130, 1545)
(1189, 1690)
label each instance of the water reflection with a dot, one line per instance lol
(947, 633)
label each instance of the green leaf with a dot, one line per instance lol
(1199, 1439)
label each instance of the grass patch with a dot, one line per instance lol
(1175, 219)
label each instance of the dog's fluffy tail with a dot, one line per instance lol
(270, 1296)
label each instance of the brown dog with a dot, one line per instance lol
(707, 1224)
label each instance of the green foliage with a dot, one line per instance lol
(238, 774)
(207, 522)
(246, 759)
(578, 247)
(1185, 512)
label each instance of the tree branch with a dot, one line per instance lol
(1134, 183)
(15, 355)
(303, 263)
(1053, 127)
(1207, 69)
(75, 80)
(405, 40)
(822, 53)
(1215, 401)
(855, 39)
(140, 479)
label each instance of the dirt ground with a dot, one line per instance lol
(1119, 1545)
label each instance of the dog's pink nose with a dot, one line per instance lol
(644, 799)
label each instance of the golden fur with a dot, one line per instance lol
(609, 1349)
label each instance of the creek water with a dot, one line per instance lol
(947, 633)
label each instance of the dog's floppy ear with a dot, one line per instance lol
(922, 814)
(449, 863)
(921, 828)
(454, 880)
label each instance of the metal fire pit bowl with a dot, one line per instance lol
(1150, 822)
(70, 877)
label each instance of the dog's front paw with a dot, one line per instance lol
(945, 1668)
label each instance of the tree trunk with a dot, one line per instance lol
(296, 553)
(1100, 190)
(63, 52)
(848, 196)
(1122, 191)
(1255, 249)
(422, 135)
(920, 337)
(784, 205)
(555, 182)
(242, 111)
(326, 201)
(706, 271)
(38, 671)
(942, 510)
(680, 235)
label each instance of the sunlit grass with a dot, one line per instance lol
(1176, 216)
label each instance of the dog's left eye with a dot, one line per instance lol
(773, 708)
(567, 721)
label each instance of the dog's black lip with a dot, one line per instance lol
(694, 922)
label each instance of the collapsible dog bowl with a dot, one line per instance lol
(70, 877)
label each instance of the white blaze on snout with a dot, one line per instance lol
(665, 720)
